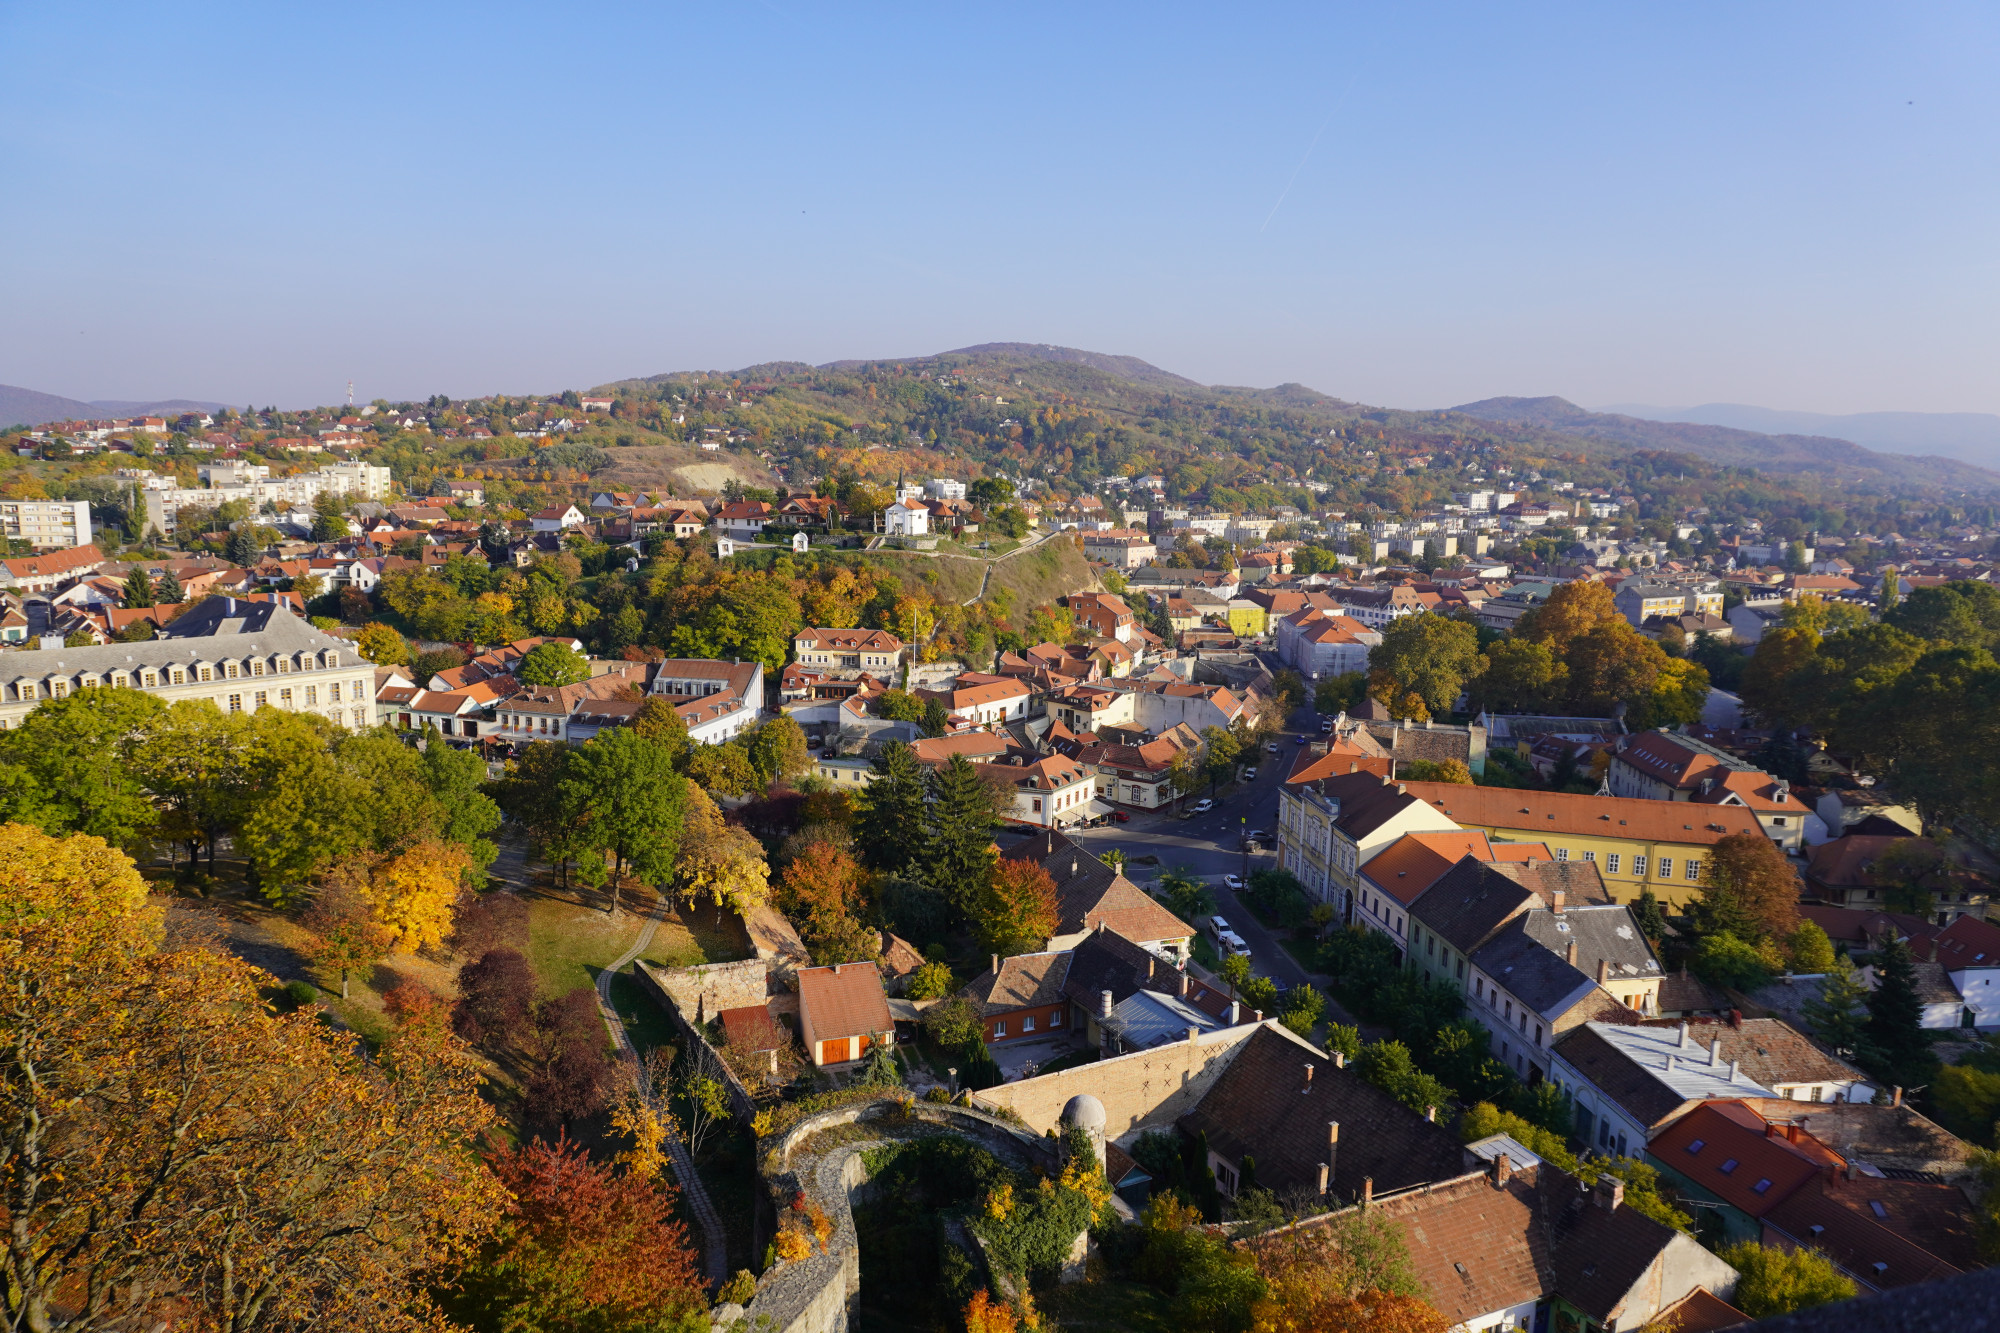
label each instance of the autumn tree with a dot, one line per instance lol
(580, 1248)
(379, 642)
(180, 1153)
(778, 751)
(570, 1074)
(1751, 890)
(659, 722)
(1018, 911)
(415, 892)
(823, 891)
(632, 803)
(1776, 1279)
(343, 934)
(1428, 655)
(553, 664)
(496, 997)
(722, 770)
(718, 860)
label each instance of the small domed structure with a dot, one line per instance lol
(1086, 1113)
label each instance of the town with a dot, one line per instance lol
(890, 880)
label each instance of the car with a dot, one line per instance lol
(1186, 814)
(1217, 927)
(1257, 835)
(1325, 725)
(1203, 806)
(1233, 881)
(1304, 739)
(1120, 817)
(1250, 773)
(1272, 748)
(1232, 945)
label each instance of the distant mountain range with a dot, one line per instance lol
(27, 407)
(1970, 437)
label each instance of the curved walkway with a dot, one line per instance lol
(715, 1251)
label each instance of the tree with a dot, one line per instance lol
(330, 527)
(151, 1123)
(1441, 770)
(1810, 949)
(415, 892)
(1430, 656)
(958, 843)
(1961, 614)
(659, 722)
(723, 770)
(191, 762)
(932, 981)
(1220, 749)
(570, 1074)
(1018, 911)
(582, 1248)
(309, 810)
(1521, 676)
(1678, 697)
(1901, 1047)
(380, 644)
(78, 759)
(1767, 680)
(1389, 1066)
(1930, 730)
(344, 935)
(465, 814)
(484, 921)
(167, 592)
(1751, 890)
(1777, 1281)
(496, 997)
(720, 860)
(1187, 896)
(1303, 1009)
(1571, 611)
(823, 891)
(1967, 1101)
(139, 588)
(631, 802)
(1651, 916)
(1837, 1016)
(1484, 1118)
(553, 664)
(778, 751)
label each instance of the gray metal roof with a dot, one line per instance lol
(219, 628)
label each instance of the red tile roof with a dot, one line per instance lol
(843, 1001)
(751, 1028)
(1725, 1148)
(1415, 861)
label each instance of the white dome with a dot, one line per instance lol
(1085, 1110)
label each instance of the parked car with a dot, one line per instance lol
(1272, 748)
(1203, 806)
(1233, 881)
(1232, 945)
(1325, 725)
(1120, 817)
(1257, 835)
(1250, 773)
(1217, 927)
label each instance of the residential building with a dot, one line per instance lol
(1724, 1154)
(1665, 846)
(1022, 997)
(45, 573)
(717, 700)
(847, 649)
(1106, 615)
(1850, 810)
(1092, 896)
(945, 488)
(1629, 1082)
(1664, 766)
(1137, 775)
(237, 655)
(1969, 951)
(558, 518)
(1639, 602)
(1329, 829)
(1314, 1127)
(742, 520)
(1393, 880)
(46, 524)
(1883, 1233)
(1120, 548)
(982, 700)
(1320, 646)
(843, 1012)
(1049, 792)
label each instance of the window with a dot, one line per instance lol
(1461, 969)
(229, 671)
(1694, 869)
(284, 698)
(1038, 807)
(1761, 1186)
(257, 667)
(235, 703)
(1538, 1034)
(179, 677)
(333, 693)
(1562, 853)
(360, 717)
(1875, 1207)
(1055, 1018)
(258, 699)
(284, 665)
(1666, 867)
(1027, 1023)
(999, 1028)
(207, 674)
(1694, 1149)
(332, 661)
(1479, 987)
(312, 696)
(1639, 866)
(1611, 860)
(1728, 1168)
(1590, 856)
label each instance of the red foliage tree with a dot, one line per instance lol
(583, 1247)
(496, 997)
(571, 1074)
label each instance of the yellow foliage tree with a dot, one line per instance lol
(719, 860)
(414, 892)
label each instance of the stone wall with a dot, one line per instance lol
(651, 981)
(1144, 1088)
(705, 991)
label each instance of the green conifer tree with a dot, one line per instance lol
(1837, 1016)
(168, 592)
(139, 588)
(891, 827)
(1901, 1047)
(959, 857)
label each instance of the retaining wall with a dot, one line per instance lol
(1144, 1088)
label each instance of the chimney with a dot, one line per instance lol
(1503, 1171)
(1193, 1033)
(1569, 953)
(1367, 1190)
(1735, 1068)
(1235, 1013)
(1184, 985)
(1603, 970)
(1104, 1003)
(1325, 1170)
(1340, 1059)
(1670, 1064)
(1715, 1053)
(1256, 1015)
(1431, 1114)
(1896, 1097)
(1558, 900)
(1685, 1040)
(1609, 1193)
(996, 964)
(1309, 1076)
(1149, 967)
(1736, 1018)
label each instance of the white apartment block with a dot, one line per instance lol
(46, 524)
(163, 500)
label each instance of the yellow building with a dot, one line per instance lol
(1246, 619)
(1635, 843)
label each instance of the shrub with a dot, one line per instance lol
(739, 1289)
(296, 995)
(1776, 1281)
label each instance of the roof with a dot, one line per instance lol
(54, 562)
(1355, 753)
(1887, 1233)
(870, 640)
(1555, 812)
(1149, 1018)
(977, 746)
(1090, 894)
(1631, 1064)
(1529, 958)
(843, 1001)
(1597, 1254)
(1890, 1138)
(1367, 801)
(1263, 1106)
(1967, 1303)
(1477, 1246)
(1701, 1311)
(1756, 790)
(1681, 993)
(1725, 1148)
(1968, 942)
(899, 956)
(1025, 981)
(1844, 862)
(1415, 861)
(751, 1028)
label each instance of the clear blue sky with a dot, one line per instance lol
(1790, 205)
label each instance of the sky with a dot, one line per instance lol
(1791, 205)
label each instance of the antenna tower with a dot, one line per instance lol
(350, 393)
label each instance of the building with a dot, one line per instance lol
(907, 518)
(847, 649)
(1662, 766)
(46, 524)
(1399, 874)
(1049, 792)
(1969, 951)
(240, 656)
(1842, 873)
(1726, 1155)
(717, 700)
(982, 700)
(1639, 602)
(44, 573)
(1092, 896)
(1630, 1082)
(1022, 997)
(1139, 775)
(843, 1012)
(1106, 615)
(1329, 829)
(1664, 846)
(1120, 548)
(1320, 646)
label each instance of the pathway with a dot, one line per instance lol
(715, 1252)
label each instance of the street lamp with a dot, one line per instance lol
(953, 1071)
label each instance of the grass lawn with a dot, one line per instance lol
(1305, 953)
(571, 938)
(1204, 953)
(1126, 1307)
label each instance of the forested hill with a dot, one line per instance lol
(1069, 419)
(1822, 456)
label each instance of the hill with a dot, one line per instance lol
(30, 407)
(1821, 456)
(1970, 437)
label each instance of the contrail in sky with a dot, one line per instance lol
(1308, 157)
